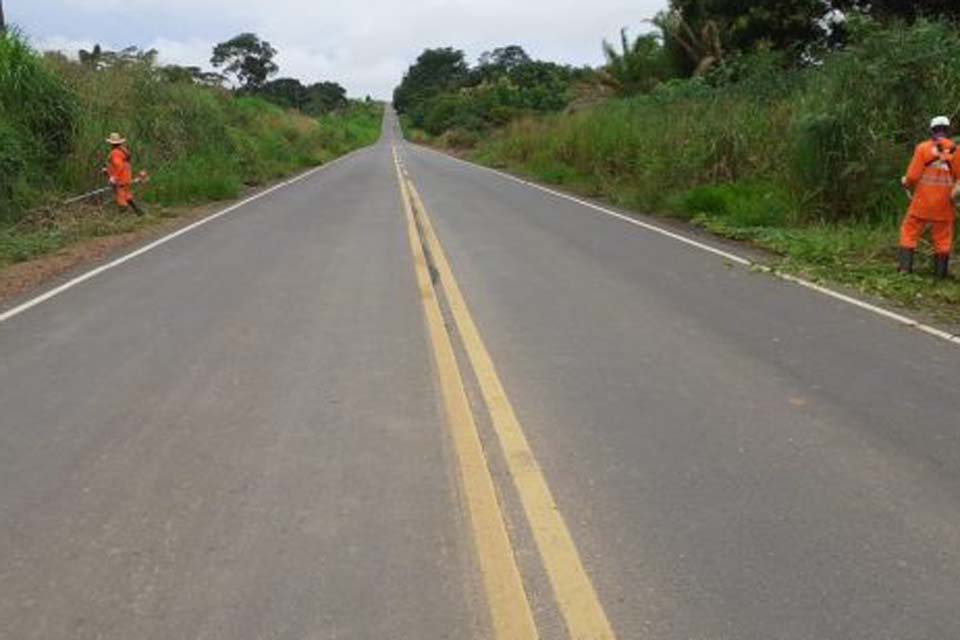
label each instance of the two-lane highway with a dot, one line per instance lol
(406, 397)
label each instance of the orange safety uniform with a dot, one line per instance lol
(121, 175)
(932, 176)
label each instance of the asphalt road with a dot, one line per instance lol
(241, 433)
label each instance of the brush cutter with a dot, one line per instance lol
(142, 178)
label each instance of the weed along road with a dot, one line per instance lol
(407, 397)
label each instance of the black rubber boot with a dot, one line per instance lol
(136, 208)
(941, 266)
(905, 259)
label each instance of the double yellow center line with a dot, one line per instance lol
(509, 607)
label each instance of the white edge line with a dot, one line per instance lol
(29, 304)
(886, 313)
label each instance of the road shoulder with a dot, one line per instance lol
(757, 256)
(23, 280)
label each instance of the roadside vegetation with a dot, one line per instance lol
(787, 130)
(199, 140)
(441, 95)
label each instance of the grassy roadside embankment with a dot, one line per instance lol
(804, 163)
(199, 143)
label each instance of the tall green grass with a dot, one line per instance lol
(641, 151)
(198, 143)
(832, 139)
(38, 117)
(805, 162)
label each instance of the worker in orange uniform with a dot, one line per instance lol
(120, 172)
(932, 178)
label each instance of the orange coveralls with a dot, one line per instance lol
(932, 175)
(121, 174)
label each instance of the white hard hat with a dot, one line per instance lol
(940, 121)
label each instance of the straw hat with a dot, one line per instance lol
(116, 138)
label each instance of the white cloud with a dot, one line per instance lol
(364, 46)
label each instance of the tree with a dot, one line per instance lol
(440, 92)
(638, 66)
(777, 24)
(324, 97)
(691, 38)
(286, 92)
(316, 99)
(505, 58)
(701, 34)
(497, 63)
(248, 58)
(435, 71)
(908, 10)
(176, 73)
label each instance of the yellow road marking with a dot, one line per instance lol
(509, 609)
(575, 594)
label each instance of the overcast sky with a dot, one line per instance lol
(365, 45)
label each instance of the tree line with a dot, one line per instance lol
(442, 91)
(718, 41)
(246, 62)
(697, 37)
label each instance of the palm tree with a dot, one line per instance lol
(638, 66)
(699, 40)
